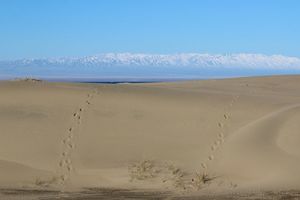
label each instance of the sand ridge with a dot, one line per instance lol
(257, 142)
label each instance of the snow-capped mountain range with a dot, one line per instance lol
(160, 60)
(133, 64)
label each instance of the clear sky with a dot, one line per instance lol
(54, 28)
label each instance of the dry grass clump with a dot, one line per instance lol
(143, 170)
(177, 176)
(48, 182)
(201, 180)
(170, 174)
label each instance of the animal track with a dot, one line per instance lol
(65, 163)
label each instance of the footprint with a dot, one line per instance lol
(221, 140)
(221, 135)
(211, 157)
(220, 125)
(68, 161)
(61, 163)
(64, 154)
(213, 147)
(203, 165)
(217, 142)
(69, 168)
(63, 177)
(226, 116)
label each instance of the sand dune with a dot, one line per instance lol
(252, 153)
(190, 137)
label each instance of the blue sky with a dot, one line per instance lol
(55, 28)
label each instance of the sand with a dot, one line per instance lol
(193, 138)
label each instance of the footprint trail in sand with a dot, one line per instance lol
(66, 167)
(223, 126)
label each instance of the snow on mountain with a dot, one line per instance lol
(160, 60)
(131, 64)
